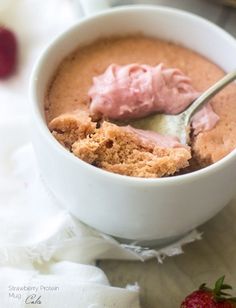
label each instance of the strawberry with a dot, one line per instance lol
(8, 52)
(210, 298)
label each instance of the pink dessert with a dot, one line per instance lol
(158, 139)
(137, 90)
(88, 89)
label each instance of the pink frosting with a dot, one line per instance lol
(204, 119)
(135, 90)
(158, 139)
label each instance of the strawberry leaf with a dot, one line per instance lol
(223, 293)
(218, 285)
(226, 286)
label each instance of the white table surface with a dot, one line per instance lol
(165, 285)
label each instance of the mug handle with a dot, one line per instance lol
(90, 7)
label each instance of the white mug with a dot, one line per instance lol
(127, 207)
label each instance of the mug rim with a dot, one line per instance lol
(35, 109)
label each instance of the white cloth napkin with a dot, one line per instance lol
(47, 257)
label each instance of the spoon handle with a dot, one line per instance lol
(208, 94)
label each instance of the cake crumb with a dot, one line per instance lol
(69, 127)
(117, 150)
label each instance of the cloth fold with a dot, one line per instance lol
(86, 286)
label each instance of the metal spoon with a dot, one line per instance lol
(179, 125)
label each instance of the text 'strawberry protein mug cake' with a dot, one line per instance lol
(126, 78)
